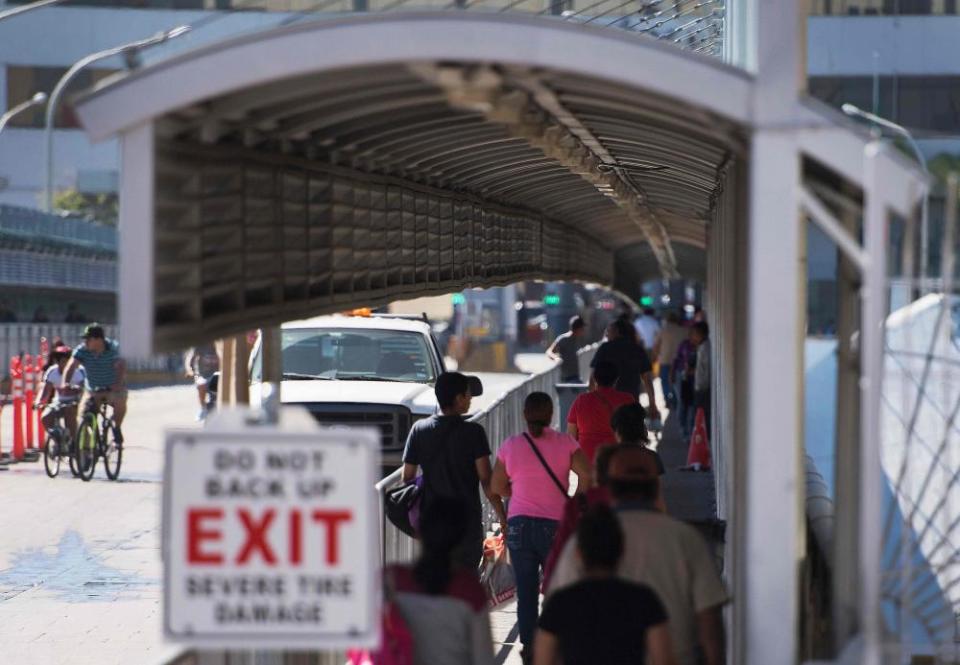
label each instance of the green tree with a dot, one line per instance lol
(103, 208)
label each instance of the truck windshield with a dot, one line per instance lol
(357, 354)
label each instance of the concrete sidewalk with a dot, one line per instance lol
(80, 568)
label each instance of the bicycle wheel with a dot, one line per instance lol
(51, 456)
(85, 449)
(112, 452)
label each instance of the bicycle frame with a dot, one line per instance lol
(102, 421)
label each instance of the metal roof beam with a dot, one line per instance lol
(532, 112)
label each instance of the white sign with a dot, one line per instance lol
(270, 538)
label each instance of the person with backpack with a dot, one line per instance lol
(602, 618)
(442, 605)
(589, 418)
(454, 455)
(533, 471)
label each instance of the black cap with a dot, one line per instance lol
(451, 384)
(94, 330)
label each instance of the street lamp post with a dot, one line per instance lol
(84, 62)
(852, 110)
(36, 100)
(16, 11)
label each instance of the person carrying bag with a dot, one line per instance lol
(454, 456)
(532, 469)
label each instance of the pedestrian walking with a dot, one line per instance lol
(665, 554)
(622, 350)
(598, 494)
(442, 603)
(566, 347)
(701, 376)
(454, 455)
(601, 618)
(684, 366)
(533, 471)
(200, 364)
(648, 327)
(629, 427)
(665, 348)
(590, 414)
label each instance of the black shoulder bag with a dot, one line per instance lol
(402, 504)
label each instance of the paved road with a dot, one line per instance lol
(80, 570)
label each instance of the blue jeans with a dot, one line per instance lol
(667, 386)
(529, 540)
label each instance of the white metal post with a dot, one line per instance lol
(874, 308)
(136, 257)
(771, 508)
(769, 511)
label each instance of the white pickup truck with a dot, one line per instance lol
(376, 371)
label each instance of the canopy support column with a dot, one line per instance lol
(770, 511)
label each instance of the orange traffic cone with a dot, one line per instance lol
(699, 451)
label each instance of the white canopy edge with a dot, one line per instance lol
(130, 99)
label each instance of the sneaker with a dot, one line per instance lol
(201, 415)
(118, 436)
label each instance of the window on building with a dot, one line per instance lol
(24, 82)
(857, 90)
(929, 103)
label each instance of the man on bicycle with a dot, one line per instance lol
(106, 374)
(60, 402)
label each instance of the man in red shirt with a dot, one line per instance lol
(589, 418)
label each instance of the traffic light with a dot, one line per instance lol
(551, 300)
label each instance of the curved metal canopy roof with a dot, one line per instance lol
(610, 146)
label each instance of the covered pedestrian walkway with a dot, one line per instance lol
(355, 160)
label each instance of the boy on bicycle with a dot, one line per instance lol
(106, 374)
(58, 401)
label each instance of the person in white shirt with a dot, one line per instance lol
(60, 401)
(648, 327)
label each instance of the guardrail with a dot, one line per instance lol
(501, 419)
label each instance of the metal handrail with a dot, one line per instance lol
(500, 419)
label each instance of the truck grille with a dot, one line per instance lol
(392, 421)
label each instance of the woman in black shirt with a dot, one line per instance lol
(603, 619)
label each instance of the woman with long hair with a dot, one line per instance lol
(533, 470)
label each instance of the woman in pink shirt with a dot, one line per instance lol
(533, 471)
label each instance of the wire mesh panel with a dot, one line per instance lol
(920, 457)
(244, 241)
